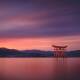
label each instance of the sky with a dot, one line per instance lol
(38, 24)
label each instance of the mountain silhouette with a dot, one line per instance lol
(5, 52)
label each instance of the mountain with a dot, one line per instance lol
(38, 53)
(4, 52)
(75, 53)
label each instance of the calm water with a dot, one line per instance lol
(39, 69)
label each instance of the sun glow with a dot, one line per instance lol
(40, 43)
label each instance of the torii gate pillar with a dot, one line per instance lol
(59, 50)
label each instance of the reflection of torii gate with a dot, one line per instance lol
(59, 50)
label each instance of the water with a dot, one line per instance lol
(39, 68)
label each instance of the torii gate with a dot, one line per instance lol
(59, 50)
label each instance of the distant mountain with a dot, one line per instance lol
(75, 53)
(4, 52)
(38, 53)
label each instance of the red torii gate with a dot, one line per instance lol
(59, 50)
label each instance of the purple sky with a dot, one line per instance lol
(39, 18)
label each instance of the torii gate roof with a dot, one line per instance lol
(59, 46)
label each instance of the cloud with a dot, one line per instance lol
(47, 18)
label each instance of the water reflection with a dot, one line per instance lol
(39, 68)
